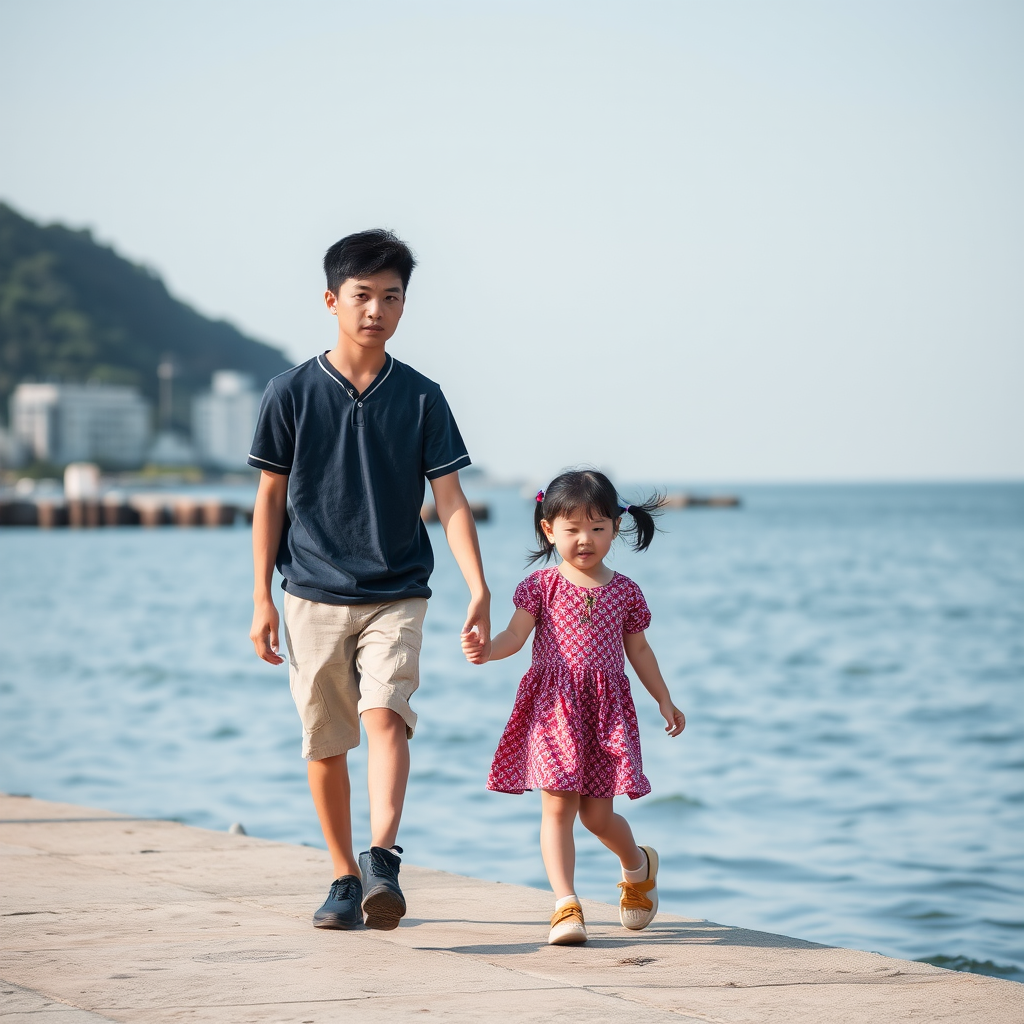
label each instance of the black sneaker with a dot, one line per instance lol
(341, 908)
(383, 904)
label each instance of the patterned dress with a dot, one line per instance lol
(573, 725)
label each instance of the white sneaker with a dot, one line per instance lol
(639, 900)
(567, 927)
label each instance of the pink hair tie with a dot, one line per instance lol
(627, 508)
(540, 496)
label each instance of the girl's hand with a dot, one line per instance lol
(475, 646)
(675, 718)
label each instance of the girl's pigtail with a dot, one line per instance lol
(644, 526)
(545, 549)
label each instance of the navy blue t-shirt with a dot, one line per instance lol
(356, 466)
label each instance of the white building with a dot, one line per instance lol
(64, 423)
(12, 451)
(224, 420)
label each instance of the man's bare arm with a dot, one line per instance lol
(267, 527)
(455, 516)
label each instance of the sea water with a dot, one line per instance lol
(850, 660)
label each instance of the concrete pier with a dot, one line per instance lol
(149, 510)
(107, 917)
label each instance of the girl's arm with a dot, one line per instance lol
(478, 649)
(645, 664)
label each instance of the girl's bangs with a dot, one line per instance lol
(593, 512)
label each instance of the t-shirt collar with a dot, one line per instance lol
(347, 386)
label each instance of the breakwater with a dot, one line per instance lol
(117, 510)
(148, 510)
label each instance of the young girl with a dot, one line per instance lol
(573, 731)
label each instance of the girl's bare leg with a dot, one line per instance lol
(612, 829)
(558, 814)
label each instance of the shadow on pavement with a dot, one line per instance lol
(703, 933)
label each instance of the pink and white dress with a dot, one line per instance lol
(573, 725)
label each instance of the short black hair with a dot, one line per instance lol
(366, 253)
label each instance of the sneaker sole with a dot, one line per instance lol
(337, 924)
(570, 939)
(383, 910)
(639, 926)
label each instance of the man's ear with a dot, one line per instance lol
(548, 532)
(332, 302)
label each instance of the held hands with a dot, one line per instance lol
(476, 633)
(475, 646)
(263, 633)
(675, 718)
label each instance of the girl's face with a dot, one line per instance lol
(581, 541)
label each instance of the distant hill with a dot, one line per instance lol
(72, 310)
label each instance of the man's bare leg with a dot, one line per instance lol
(387, 772)
(329, 785)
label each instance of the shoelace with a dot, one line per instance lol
(383, 862)
(569, 910)
(633, 897)
(343, 888)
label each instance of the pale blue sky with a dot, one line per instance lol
(686, 241)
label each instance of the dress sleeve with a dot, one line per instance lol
(273, 446)
(638, 615)
(528, 597)
(444, 451)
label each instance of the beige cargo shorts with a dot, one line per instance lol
(346, 658)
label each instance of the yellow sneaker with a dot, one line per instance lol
(639, 900)
(567, 927)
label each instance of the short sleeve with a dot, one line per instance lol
(527, 596)
(638, 615)
(273, 446)
(444, 451)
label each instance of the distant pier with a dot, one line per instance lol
(147, 510)
(683, 499)
(156, 508)
(140, 510)
(481, 512)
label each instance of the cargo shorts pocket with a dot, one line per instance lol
(309, 701)
(406, 673)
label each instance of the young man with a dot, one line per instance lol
(344, 442)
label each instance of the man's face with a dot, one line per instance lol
(368, 308)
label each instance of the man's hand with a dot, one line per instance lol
(264, 632)
(476, 633)
(476, 649)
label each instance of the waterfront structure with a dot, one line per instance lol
(62, 423)
(81, 481)
(224, 420)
